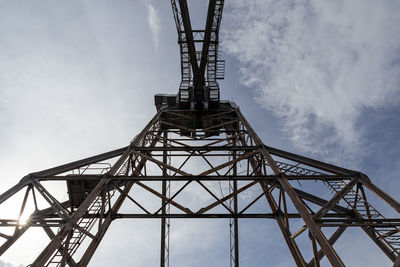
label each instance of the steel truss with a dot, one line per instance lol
(201, 66)
(226, 160)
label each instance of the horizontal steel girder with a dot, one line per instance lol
(234, 155)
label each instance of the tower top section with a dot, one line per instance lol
(200, 63)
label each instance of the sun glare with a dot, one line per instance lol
(24, 219)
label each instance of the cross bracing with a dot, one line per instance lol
(197, 144)
(226, 163)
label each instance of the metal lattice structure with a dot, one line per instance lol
(200, 66)
(197, 140)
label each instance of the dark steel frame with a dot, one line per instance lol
(99, 185)
(200, 67)
(274, 171)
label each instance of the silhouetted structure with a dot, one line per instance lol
(197, 139)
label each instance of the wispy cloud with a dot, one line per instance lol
(317, 65)
(154, 22)
(4, 264)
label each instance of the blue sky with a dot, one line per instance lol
(319, 78)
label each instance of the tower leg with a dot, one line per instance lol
(164, 257)
(236, 225)
(247, 162)
(163, 226)
(312, 226)
(234, 222)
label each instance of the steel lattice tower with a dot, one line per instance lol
(195, 138)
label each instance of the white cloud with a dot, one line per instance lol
(4, 264)
(154, 22)
(318, 64)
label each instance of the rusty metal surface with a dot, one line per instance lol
(231, 155)
(200, 62)
(204, 142)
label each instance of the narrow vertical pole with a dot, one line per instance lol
(236, 225)
(163, 211)
(235, 210)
